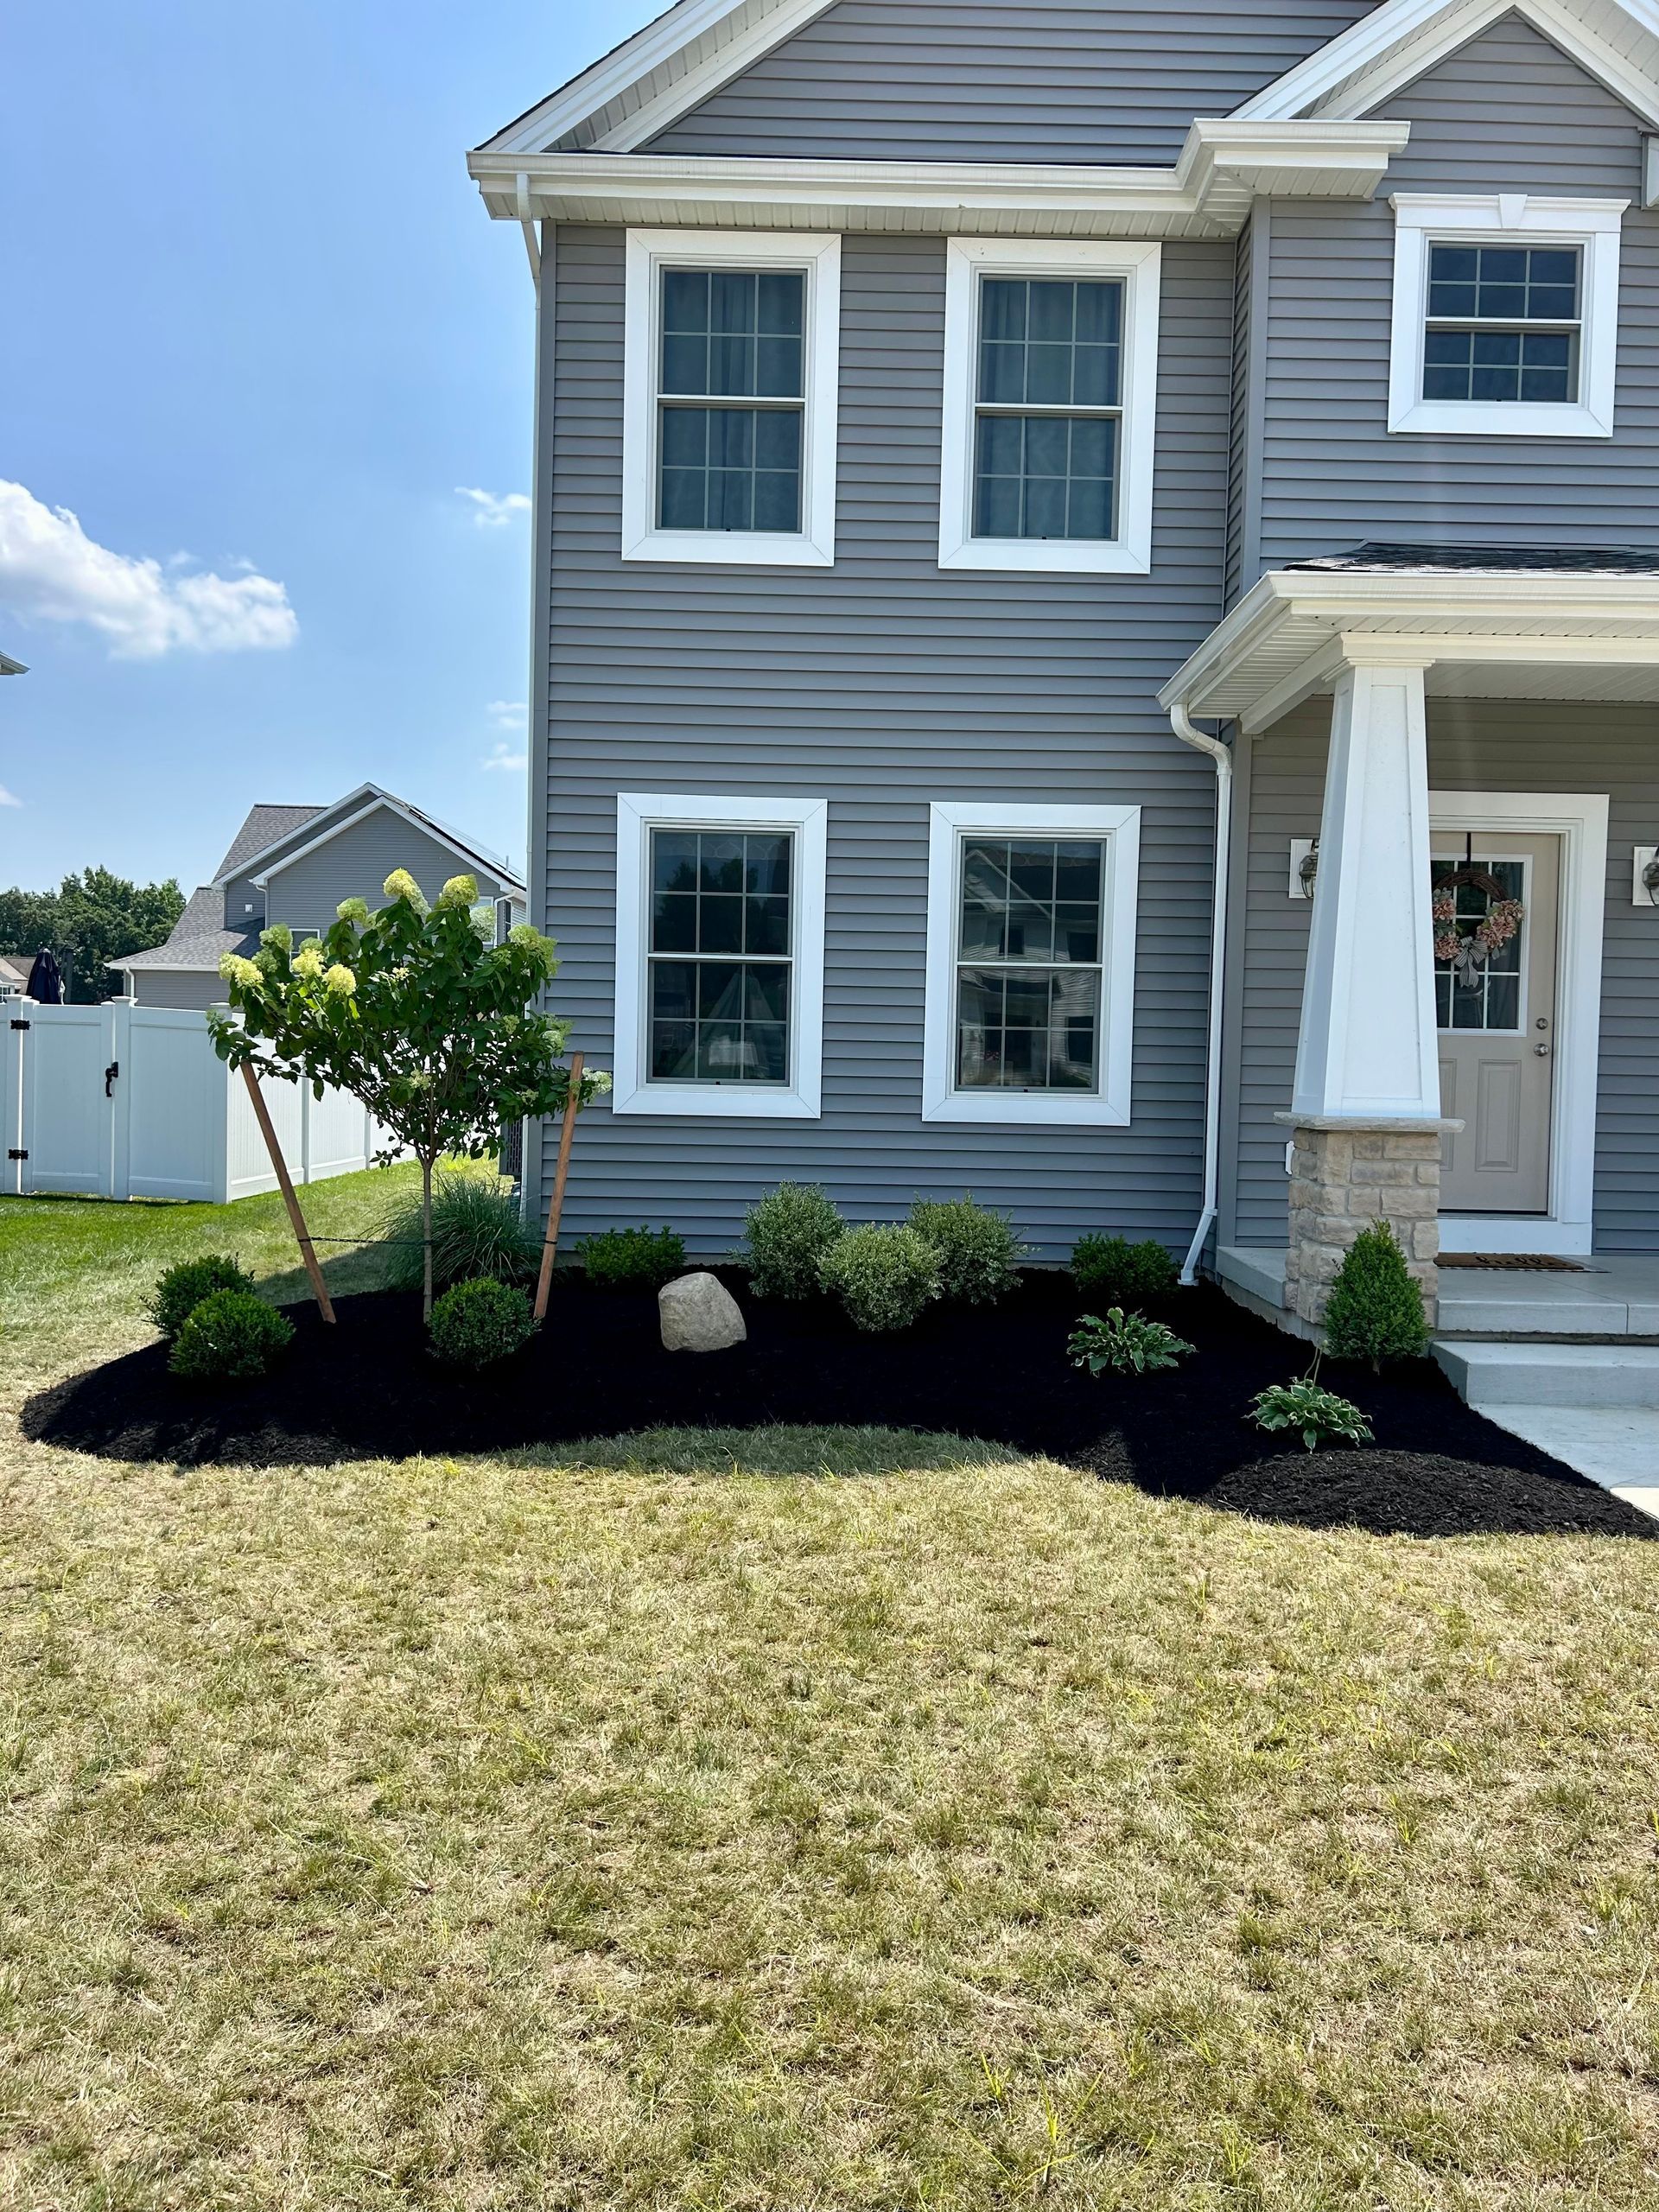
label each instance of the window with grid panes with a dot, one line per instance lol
(731, 400)
(1048, 407)
(1028, 964)
(1503, 324)
(1487, 996)
(721, 956)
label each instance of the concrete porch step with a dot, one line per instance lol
(1545, 1374)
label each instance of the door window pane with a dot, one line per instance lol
(1481, 989)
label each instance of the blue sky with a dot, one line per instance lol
(256, 317)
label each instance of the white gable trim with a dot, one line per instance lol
(383, 800)
(660, 74)
(1386, 51)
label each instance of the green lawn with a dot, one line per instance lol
(637, 1827)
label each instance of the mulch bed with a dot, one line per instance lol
(369, 1388)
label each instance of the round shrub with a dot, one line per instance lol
(788, 1233)
(181, 1289)
(1375, 1309)
(232, 1336)
(480, 1322)
(632, 1259)
(1118, 1273)
(979, 1253)
(477, 1229)
(883, 1276)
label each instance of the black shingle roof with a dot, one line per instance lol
(1485, 560)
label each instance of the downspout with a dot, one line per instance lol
(1221, 754)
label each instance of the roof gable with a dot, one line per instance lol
(264, 828)
(649, 83)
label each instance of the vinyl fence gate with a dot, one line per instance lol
(132, 1102)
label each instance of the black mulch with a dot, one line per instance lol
(368, 1389)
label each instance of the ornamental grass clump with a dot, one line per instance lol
(410, 1012)
(1375, 1311)
(230, 1336)
(885, 1276)
(788, 1234)
(1319, 1415)
(477, 1229)
(181, 1288)
(478, 1323)
(1118, 1273)
(979, 1253)
(632, 1259)
(1125, 1344)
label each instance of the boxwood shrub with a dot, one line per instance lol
(632, 1259)
(480, 1322)
(883, 1277)
(788, 1233)
(181, 1288)
(1117, 1273)
(230, 1336)
(979, 1253)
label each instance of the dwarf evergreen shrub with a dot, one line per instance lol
(1116, 1272)
(884, 1276)
(181, 1288)
(632, 1259)
(979, 1253)
(1375, 1311)
(480, 1322)
(788, 1233)
(230, 1336)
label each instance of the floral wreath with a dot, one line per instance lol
(1468, 950)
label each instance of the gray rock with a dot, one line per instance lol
(699, 1314)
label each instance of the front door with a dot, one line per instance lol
(1495, 1006)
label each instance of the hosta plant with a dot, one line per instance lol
(1125, 1344)
(1318, 1415)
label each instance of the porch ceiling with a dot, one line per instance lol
(1502, 632)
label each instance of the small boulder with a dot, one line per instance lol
(699, 1314)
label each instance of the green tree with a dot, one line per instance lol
(412, 1011)
(93, 918)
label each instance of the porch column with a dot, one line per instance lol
(1365, 1110)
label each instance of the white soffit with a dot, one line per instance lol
(1478, 635)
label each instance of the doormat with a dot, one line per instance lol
(1515, 1263)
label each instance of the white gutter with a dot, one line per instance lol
(1221, 754)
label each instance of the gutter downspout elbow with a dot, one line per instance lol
(1221, 754)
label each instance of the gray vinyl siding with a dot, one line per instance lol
(1007, 80)
(355, 865)
(1509, 112)
(1473, 745)
(151, 989)
(882, 685)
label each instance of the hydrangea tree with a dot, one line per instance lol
(412, 1012)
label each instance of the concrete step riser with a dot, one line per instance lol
(1552, 1375)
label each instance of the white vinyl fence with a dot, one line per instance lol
(132, 1102)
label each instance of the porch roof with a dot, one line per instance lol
(1482, 622)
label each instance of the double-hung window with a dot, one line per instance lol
(1030, 963)
(1049, 375)
(730, 430)
(720, 955)
(1505, 315)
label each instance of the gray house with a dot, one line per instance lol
(294, 865)
(1097, 583)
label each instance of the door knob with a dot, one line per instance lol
(1543, 1050)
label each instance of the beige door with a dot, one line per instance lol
(1496, 1018)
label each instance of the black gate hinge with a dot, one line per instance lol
(15, 1155)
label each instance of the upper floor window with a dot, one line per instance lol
(730, 430)
(1050, 372)
(1505, 315)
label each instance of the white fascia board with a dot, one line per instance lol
(658, 75)
(385, 800)
(1222, 163)
(1398, 43)
(277, 844)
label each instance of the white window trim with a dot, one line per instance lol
(966, 261)
(648, 253)
(1593, 224)
(1120, 828)
(637, 813)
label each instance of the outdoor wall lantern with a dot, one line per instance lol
(1644, 876)
(1304, 866)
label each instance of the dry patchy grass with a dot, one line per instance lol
(524, 1835)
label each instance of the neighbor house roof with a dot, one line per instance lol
(265, 827)
(14, 969)
(199, 939)
(10, 667)
(285, 845)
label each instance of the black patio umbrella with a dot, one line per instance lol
(46, 980)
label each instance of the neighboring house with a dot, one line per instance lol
(10, 667)
(14, 975)
(295, 864)
(938, 409)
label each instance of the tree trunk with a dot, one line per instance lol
(426, 1239)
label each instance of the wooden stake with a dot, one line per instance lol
(545, 1282)
(262, 1114)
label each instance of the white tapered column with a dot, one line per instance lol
(1368, 1049)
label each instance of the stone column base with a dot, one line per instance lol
(1345, 1175)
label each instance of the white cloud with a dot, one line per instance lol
(503, 756)
(9, 798)
(51, 570)
(508, 712)
(492, 510)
